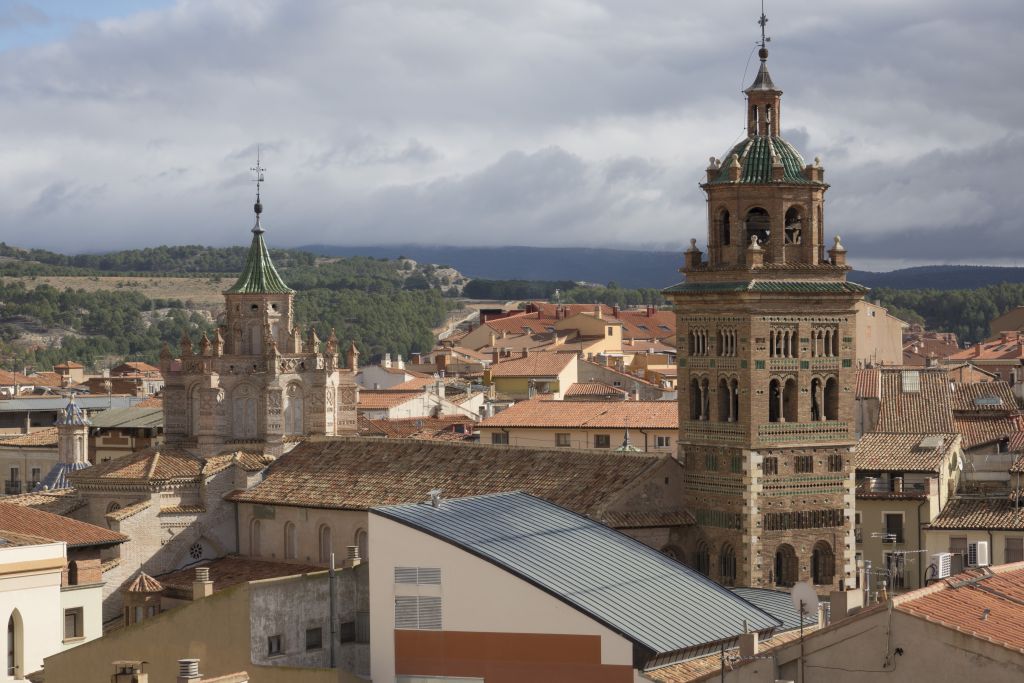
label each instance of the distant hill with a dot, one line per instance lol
(640, 269)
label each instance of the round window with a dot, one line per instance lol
(196, 551)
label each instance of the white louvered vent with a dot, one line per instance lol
(406, 611)
(406, 575)
(423, 576)
(422, 612)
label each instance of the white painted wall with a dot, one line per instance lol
(30, 585)
(476, 596)
(90, 599)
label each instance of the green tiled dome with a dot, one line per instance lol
(755, 158)
(259, 275)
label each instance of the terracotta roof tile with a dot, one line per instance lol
(1010, 347)
(915, 401)
(868, 383)
(597, 414)
(709, 666)
(42, 438)
(986, 397)
(151, 402)
(127, 511)
(980, 513)
(1018, 466)
(380, 399)
(594, 389)
(58, 501)
(232, 570)
(357, 474)
(902, 452)
(144, 583)
(536, 364)
(626, 375)
(986, 603)
(979, 430)
(20, 519)
(156, 463)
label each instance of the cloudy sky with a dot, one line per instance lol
(529, 122)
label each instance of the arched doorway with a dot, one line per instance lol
(823, 564)
(789, 400)
(787, 569)
(15, 645)
(831, 399)
(326, 546)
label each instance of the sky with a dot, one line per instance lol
(493, 122)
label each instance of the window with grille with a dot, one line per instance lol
(736, 464)
(835, 462)
(803, 464)
(421, 576)
(771, 465)
(1014, 550)
(710, 462)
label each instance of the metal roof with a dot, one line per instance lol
(648, 598)
(129, 418)
(779, 604)
(56, 403)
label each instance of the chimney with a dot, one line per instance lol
(748, 644)
(650, 311)
(615, 311)
(401, 363)
(598, 311)
(977, 350)
(352, 558)
(202, 587)
(387, 360)
(897, 485)
(188, 671)
(416, 359)
(495, 356)
(526, 353)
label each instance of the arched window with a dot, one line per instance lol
(789, 408)
(15, 645)
(290, 544)
(326, 548)
(786, 567)
(243, 412)
(72, 573)
(727, 565)
(774, 400)
(794, 225)
(831, 399)
(702, 559)
(724, 227)
(194, 403)
(724, 401)
(363, 543)
(293, 405)
(255, 538)
(734, 398)
(816, 399)
(705, 399)
(758, 224)
(694, 399)
(823, 564)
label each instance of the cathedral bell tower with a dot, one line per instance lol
(261, 383)
(766, 335)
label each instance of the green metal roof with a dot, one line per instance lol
(755, 157)
(768, 287)
(259, 275)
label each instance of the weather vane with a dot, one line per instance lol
(258, 171)
(762, 22)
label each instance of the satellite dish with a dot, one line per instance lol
(805, 600)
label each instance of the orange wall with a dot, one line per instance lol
(505, 657)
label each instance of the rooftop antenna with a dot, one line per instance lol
(258, 171)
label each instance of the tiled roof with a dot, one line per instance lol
(232, 570)
(756, 155)
(985, 603)
(867, 383)
(59, 502)
(1008, 347)
(259, 276)
(21, 519)
(983, 397)
(902, 452)
(379, 399)
(594, 389)
(46, 379)
(1018, 466)
(592, 414)
(151, 402)
(981, 513)
(9, 379)
(414, 384)
(127, 511)
(138, 366)
(249, 462)
(979, 430)
(708, 668)
(409, 427)
(535, 364)
(357, 474)
(144, 583)
(770, 287)
(916, 401)
(617, 373)
(69, 365)
(42, 438)
(156, 463)
(58, 476)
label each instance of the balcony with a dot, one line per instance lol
(12, 488)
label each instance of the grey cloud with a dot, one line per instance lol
(14, 15)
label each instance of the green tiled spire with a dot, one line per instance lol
(259, 275)
(757, 154)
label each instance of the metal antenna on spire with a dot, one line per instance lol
(258, 206)
(763, 21)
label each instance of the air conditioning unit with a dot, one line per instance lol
(977, 554)
(943, 564)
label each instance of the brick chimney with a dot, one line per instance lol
(202, 586)
(188, 671)
(615, 311)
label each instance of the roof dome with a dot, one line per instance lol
(72, 414)
(757, 154)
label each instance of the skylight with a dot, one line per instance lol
(911, 381)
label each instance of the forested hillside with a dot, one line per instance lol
(964, 311)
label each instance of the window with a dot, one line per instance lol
(602, 441)
(314, 638)
(835, 462)
(326, 547)
(275, 646)
(290, 549)
(803, 464)
(1014, 550)
(611, 331)
(73, 627)
(736, 464)
(36, 475)
(771, 466)
(662, 442)
(499, 438)
(710, 462)
(363, 543)
(254, 538)
(562, 440)
(893, 527)
(727, 565)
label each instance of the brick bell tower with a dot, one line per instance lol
(766, 330)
